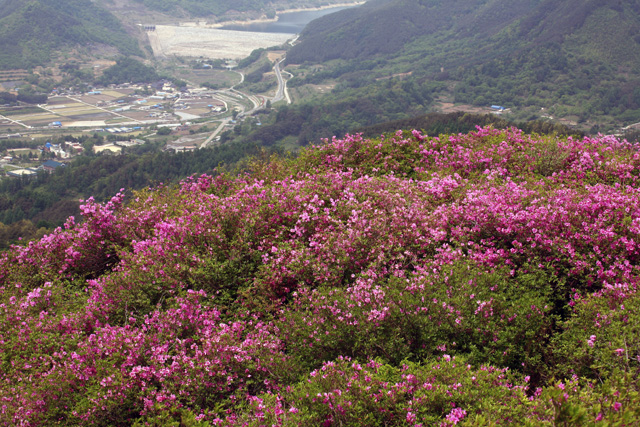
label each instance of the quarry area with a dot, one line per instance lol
(212, 43)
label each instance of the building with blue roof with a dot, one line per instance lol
(51, 165)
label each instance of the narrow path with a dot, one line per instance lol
(15, 121)
(241, 79)
(103, 109)
(215, 133)
(630, 126)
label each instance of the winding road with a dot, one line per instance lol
(282, 84)
(258, 102)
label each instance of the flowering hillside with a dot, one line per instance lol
(480, 279)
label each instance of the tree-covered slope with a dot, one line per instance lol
(496, 26)
(574, 58)
(203, 7)
(487, 278)
(220, 7)
(31, 31)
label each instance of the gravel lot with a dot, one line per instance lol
(210, 43)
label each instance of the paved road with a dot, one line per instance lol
(215, 133)
(241, 79)
(281, 93)
(258, 102)
(231, 95)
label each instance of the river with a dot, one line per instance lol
(289, 23)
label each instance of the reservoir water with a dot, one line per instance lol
(290, 23)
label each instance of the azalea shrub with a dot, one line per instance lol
(487, 278)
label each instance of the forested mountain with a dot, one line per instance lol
(466, 32)
(203, 7)
(31, 31)
(573, 58)
(220, 7)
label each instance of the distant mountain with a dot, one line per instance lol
(204, 7)
(31, 31)
(576, 56)
(221, 7)
(472, 27)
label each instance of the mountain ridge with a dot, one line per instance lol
(532, 57)
(495, 23)
(30, 33)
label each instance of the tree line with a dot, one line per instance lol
(47, 200)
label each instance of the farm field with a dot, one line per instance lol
(117, 120)
(221, 78)
(6, 126)
(75, 112)
(106, 96)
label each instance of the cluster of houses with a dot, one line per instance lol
(63, 152)
(48, 166)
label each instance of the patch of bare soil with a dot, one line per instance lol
(211, 43)
(275, 55)
(449, 107)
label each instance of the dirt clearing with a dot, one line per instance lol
(209, 42)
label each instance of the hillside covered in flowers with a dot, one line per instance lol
(487, 278)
